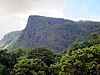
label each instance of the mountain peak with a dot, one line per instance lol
(53, 33)
(45, 17)
(35, 20)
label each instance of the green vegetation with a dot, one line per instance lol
(84, 61)
(83, 58)
(29, 67)
(9, 40)
(42, 53)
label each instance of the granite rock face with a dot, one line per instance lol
(53, 33)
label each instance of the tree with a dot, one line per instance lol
(14, 55)
(42, 53)
(4, 58)
(9, 59)
(3, 69)
(29, 67)
(84, 61)
(54, 69)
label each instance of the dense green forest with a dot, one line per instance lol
(82, 58)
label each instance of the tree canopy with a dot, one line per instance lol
(83, 58)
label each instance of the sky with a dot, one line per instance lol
(14, 13)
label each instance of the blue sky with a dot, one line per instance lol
(14, 13)
(82, 9)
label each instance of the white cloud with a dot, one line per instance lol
(17, 6)
(14, 13)
(10, 22)
(47, 12)
(90, 17)
(93, 18)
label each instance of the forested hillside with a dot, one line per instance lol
(83, 58)
(9, 39)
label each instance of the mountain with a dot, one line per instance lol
(9, 39)
(54, 33)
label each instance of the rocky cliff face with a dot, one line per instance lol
(54, 33)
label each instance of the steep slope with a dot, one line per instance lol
(86, 41)
(54, 33)
(9, 39)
